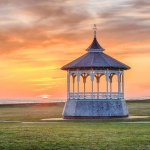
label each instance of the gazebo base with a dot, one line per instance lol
(95, 109)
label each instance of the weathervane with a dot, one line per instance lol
(94, 30)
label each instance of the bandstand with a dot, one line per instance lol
(95, 104)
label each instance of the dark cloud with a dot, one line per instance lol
(22, 3)
(140, 4)
(45, 17)
(57, 22)
(125, 24)
(126, 8)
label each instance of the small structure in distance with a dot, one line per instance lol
(93, 105)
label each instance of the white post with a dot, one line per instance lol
(107, 88)
(92, 79)
(97, 89)
(78, 80)
(73, 80)
(111, 86)
(73, 85)
(78, 90)
(84, 90)
(92, 90)
(107, 79)
(123, 84)
(119, 85)
(68, 85)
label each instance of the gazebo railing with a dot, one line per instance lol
(96, 95)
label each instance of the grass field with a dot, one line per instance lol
(33, 134)
(31, 112)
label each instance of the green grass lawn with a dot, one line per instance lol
(139, 108)
(71, 135)
(31, 112)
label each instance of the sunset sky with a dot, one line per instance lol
(38, 37)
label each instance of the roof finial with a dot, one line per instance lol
(94, 30)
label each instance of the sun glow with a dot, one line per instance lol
(45, 96)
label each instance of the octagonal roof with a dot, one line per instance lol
(95, 58)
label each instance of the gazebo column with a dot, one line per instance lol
(98, 81)
(68, 84)
(78, 80)
(119, 87)
(92, 89)
(123, 84)
(98, 87)
(107, 88)
(110, 79)
(107, 80)
(73, 82)
(84, 81)
(111, 86)
(92, 79)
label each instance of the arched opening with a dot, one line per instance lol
(70, 83)
(83, 85)
(114, 83)
(72, 86)
(88, 84)
(121, 86)
(102, 84)
(73, 83)
(97, 86)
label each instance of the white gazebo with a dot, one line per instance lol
(95, 104)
